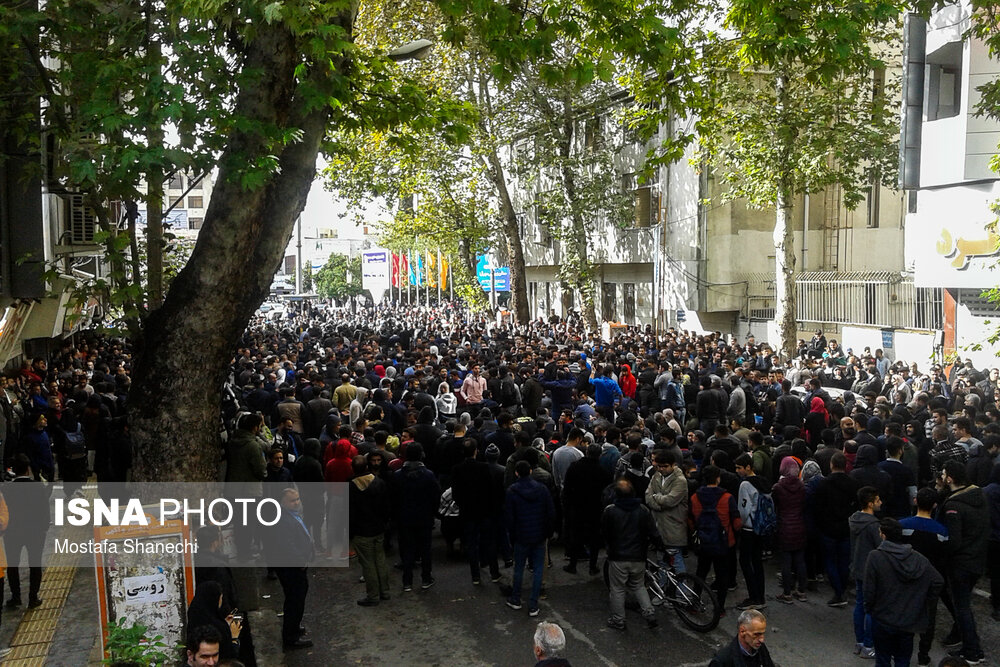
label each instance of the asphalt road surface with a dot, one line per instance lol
(456, 623)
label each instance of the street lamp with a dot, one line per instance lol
(416, 49)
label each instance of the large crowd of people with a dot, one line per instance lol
(527, 441)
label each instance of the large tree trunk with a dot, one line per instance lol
(784, 247)
(578, 271)
(512, 236)
(187, 345)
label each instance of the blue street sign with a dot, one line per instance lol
(501, 274)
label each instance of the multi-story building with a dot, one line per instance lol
(952, 191)
(687, 260)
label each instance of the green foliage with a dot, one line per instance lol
(129, 644)
(332, 282)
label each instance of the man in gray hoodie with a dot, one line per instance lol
(865, 537)
(899, 585)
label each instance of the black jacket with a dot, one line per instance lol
(899, 586)
(416, 495)
(629, 528)
(966, 516)
(472, 489)
(789, 411)
(585, 481)
(731, 655)
(867, 473)
(979, 466)
(529, 512)
(368, 505)
(835, 501)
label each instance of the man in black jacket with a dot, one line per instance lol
(966, 516)
(834, 502)
(288, 542)
(628, 529)
(416, 495)
(747, 648)
(582, 507)
(788, 409)
(899, 586)
(28, 505)
(369, 516)
(473, 488)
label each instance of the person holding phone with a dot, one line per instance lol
(207, 609)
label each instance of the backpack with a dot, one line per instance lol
(765, 518)
(76, 444)
(710, 532)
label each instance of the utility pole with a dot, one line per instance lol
(298, 256)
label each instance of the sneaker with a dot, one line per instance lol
(952, 640)
(867, 653)
(495, 579)
(407, 588)
(923, 660)
(746, 604)
(616, 625)
(732, 587)
(515, 605)
(972, 659)
(477, 582)
(787, 599)
(427, 584)
(800, 596)
(836, 601)
(533, 611)
(367, 602)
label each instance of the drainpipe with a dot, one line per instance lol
(805, 231)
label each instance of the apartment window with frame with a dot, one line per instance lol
(196, 202)
(195, 223)
(943, 82)
(176, 182)
(608, 307)
(628, 302)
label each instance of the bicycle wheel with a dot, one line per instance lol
(695, 602)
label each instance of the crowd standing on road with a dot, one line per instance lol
(875, 478)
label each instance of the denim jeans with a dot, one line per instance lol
(523, 552)
(837, 554)
(752, 564)
(892, 647)
(862, 621)
(961, 584)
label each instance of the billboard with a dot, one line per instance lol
(375, 266)
(500, 280)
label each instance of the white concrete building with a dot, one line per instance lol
(949, 244)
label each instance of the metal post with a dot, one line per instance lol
(427, 280)
(439, 275)
(298, 256)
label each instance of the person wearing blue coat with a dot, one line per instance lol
(530, 517)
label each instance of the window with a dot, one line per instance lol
(175, 182)
(195, 223)
(943, 82)
(874, 191)
(289, 264)
(593, 133)
(196, 202)
(608, 311)
(196, 185)
(628, 302)
(567, 299)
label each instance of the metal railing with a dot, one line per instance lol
(871, 298)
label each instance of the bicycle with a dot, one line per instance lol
(693, 600)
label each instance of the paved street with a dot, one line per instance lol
(456, 623)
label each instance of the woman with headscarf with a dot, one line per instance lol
(446, 402)
(811, 476)
(817, 420)
(789, 496)
(208, 608)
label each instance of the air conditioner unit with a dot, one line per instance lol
(82, 221)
